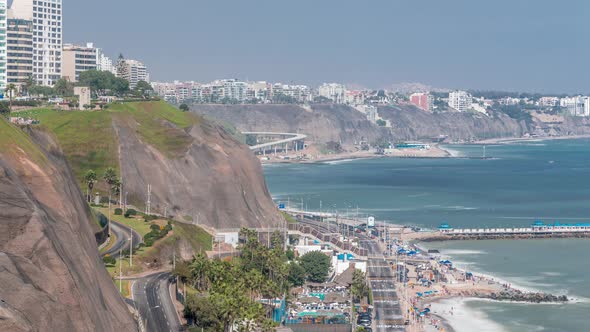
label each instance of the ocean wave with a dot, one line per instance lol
(454, 153)
(453, 252)
(341, 161)
(462, 317)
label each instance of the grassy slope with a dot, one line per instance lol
(89, 140)
(13, 140)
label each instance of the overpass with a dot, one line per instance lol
(278, 142)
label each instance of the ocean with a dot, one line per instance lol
(521, 183)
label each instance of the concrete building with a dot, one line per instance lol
(422, 100)
(104, 63)
(19, 51)
(84, 98)
(334, 91)
(548, 101)
(3, 46)
(133, 71)
(78, 59)
(460, 100)
(46, 16)
(575, 106)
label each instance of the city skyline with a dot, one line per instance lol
(494, 46)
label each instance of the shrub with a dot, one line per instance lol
(131, 212)
(118, 211)
(108, 260)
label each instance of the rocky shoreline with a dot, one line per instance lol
(519, 296)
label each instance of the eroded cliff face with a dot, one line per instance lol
(321, 123)
(214, 179)
(411, 123)
(51, 276)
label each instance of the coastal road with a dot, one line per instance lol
(153, 300)
(386, 306)
(122, 235)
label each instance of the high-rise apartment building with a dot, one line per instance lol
(3, 47)
(334, 91)
(104, 63)
(133, 71)
(422, 100)
(460, 100)
(20, 51)
(46, 16)
(78, 59)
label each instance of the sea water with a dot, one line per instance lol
(519, 184)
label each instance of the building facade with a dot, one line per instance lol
(78, 59)
(334, 91)
(133, 71)
(20, 51)
(46, 16)
(104, 63)
(3, 46)
(422, 100)
(460, 100)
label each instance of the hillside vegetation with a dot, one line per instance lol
(89, 139)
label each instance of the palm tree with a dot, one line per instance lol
(110, 177)
(10, 89)
(90, 178)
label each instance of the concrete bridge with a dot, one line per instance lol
(277, 142)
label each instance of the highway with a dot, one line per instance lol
(154, 303)
(122, 235)
(293, 138)
(387, 310)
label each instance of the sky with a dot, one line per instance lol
(508, 45)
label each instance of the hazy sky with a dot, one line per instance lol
(520, 45)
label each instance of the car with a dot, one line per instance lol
(364, 321)
(365, 324)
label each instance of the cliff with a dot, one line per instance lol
(51, 276)
(195, 168)
(321, 123)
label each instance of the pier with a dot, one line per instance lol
(538, 229)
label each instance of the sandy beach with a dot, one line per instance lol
(509, 140)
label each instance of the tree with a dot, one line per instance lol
(184, 107)
(381, 123)
(64, 88)
(45, 91)
(359, 288)
(316, 266)
(100, 82)
(251, 140)
(110, 177)
(296, 274)
(10, 90)
(90, 179)
(143, 89)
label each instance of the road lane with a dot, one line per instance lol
(122, 235)
(154, 303)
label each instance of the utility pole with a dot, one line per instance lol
(120, 270)
(149, 200)
(131, 247)
(121, 194)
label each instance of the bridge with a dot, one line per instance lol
(277, 142)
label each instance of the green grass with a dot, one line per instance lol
(90, 142)
(137, 224)
(151, 120)
(288, 217)
(86, 138)
(199, 239)
(14, 141)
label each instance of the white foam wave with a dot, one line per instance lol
(462, 317)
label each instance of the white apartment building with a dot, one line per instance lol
(460, 100)
(334, 91)
(20, 51)
(133, 71)
(575, 106)
(548, 101)
(104, 63)
(3, 47)
(47, 37)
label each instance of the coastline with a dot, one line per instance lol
(509, 140)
